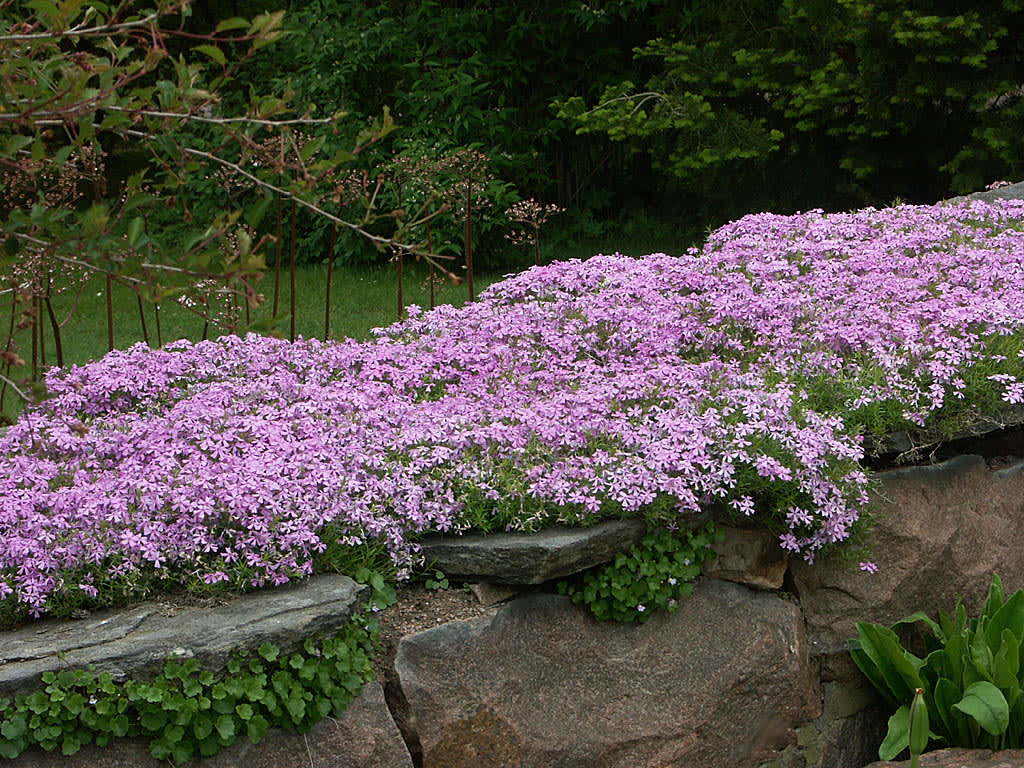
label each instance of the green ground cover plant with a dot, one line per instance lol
(969, 680)
(187, 712)
(653, 576)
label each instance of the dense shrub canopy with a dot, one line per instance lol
(740, 375)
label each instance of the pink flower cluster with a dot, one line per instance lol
(729, 375)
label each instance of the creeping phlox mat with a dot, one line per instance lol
(740, 374)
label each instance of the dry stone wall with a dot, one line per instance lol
(751, 672)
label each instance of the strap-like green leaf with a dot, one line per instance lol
(872, 673)
(898, 667)
(897, 738)
(1009, 616)
(920, 616)
(1006, 665)
(995, 598)
(945, 695)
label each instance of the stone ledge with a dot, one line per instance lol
(531, 558)
(1012, 192)
(136, 642)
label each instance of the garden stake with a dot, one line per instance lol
(110, 317)
(58, 346)
(156, 312)
(430, 249)
(42, 336)
(398, 254)
(142, 320)
(291, 332)
(35, 344)
(277, 268)
(469, 237)
(327, 300)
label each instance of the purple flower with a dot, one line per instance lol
(568, 392)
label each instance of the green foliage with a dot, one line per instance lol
(970, 678)
(186, 711)
(654, 575)
(476, 74)
(850, 100)
(436, 581)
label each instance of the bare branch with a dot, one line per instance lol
(223, 120)
(102, 30)
(644, 98)
(15, 387)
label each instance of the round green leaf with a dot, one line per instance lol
(985, 703)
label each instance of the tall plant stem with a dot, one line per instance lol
(291, 299)
(58, 345)
(277, 269)
(142, 320)
(156, 313)
(327, 299)
(398, 254)
(469, 240)
(10, 340)
(401, 302)
(110, 316)
(42, 334)
(35, 338)
(430, 249)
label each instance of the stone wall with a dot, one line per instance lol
(752, 670)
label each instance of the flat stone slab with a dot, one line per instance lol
(364, 736)
(530, 558)
(136, 642)
(911, 446)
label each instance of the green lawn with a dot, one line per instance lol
(362, 298)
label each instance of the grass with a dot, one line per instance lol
(362, 298)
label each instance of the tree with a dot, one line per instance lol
(880, 97)
(82, 81)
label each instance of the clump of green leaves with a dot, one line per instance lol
(437, 581)
(186, 711)
(970, 677)
(654, 575)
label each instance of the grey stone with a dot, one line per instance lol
(846, 735)
(364, 736)
(540, 683)
(137, 642)
(492, 594)
(1012, 192)
(750, 556)
(961, 758)
(940, 532)
(530, 558)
